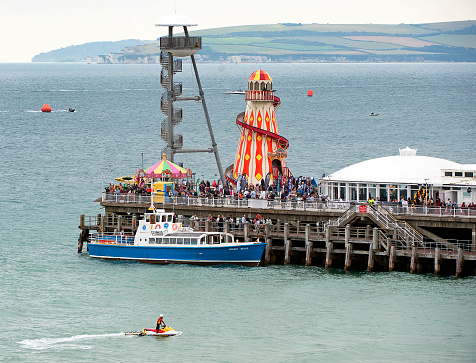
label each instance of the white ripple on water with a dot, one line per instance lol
(65, 343)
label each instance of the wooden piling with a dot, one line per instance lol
(391, 259)
(437, 260)
(459, 262)
(370, 262)
(348, 256)
(414, 260)
(81, 221)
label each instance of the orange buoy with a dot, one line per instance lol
(46, 108)
(310, 93)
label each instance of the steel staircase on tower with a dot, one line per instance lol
(177, 114)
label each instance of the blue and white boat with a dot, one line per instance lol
(160, 240)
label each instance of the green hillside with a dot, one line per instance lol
(451, 41)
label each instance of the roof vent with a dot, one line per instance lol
(408, 152)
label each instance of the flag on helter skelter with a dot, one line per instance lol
(290, 183)
(267, 180)
(278, 183)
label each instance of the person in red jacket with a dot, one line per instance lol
(160, 323)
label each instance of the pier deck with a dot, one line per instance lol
(357, 238)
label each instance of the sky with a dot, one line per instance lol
(30, 27)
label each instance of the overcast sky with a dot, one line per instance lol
(29, 27)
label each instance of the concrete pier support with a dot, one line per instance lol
(267, 251)
(391, 259)
(329, 252)
(437, 260)
(375, 239)
(348, 256)
(227, 230)
(207, 226)
(414, 260)
(267, 228)
(103, 223)
(119, 223)
(287, 252)
(370, 262)
(246, 230)
(286, 232)
(367, 231)
(329, 249)
(459, 262)
(309, 244)
(347, 235)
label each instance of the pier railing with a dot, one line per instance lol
(287, 205)
(431, 211)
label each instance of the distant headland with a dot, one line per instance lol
(295, 42)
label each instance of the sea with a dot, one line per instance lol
(58, 305)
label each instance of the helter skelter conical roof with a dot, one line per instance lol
(260, 75)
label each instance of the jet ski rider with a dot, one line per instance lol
(160, 323)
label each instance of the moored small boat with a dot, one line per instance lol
(160, 240)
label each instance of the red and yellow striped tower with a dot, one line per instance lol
(260, 148)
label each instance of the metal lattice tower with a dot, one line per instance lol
(184, 46)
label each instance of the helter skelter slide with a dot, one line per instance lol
(261, 150)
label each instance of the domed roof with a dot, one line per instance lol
(260, 75)
(404, 169)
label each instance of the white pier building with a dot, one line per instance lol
(391, 178)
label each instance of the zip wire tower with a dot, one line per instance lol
(183, 46)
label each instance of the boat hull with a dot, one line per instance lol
(245, 254)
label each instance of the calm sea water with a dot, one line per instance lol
(58, 305)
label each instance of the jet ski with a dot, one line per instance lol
(165, 332)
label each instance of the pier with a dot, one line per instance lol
(332, 235)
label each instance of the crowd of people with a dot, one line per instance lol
(300, 190)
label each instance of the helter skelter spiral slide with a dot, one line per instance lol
(261, 150)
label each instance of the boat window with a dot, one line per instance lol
(469, 174)
(162, 218)
(202, 240)
(147, 218)
(448, 173)
(169, 218)
(152, 219)
(216, 239)
(151, 240)
(458, 173)
(180, 241)
(210, 239)
(159, 241)
(186, 241)
(194, 241)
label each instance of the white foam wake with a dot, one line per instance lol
(62, 343)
